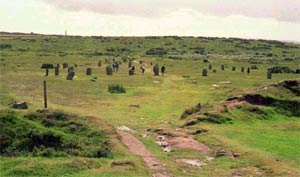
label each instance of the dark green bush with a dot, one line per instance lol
(116, 89)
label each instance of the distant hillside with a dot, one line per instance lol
(172, 47)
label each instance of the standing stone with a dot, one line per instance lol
(129, 64)
(269, 74)
(253, 67)
(65, 65)
(56, 71)
(89, 71)
(109, 70)
(204, 72)
(248, 70)
(71, 75)
(233, 68)
(70, 69)
(214, 71)
(131, 72)
(222, 67)
(99, 63)
(156, 70)
(163, 70)
(142, 69)
(209, 66)
(47, 72)
(242, 69)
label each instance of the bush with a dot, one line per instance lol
(189, 111)
(116, 89)
(156, 51)
(5, 46)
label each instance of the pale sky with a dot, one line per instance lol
(265, 19)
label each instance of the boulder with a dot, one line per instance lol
(19, 105)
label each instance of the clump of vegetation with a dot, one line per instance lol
(281, 69)
(288, 107)
(190, 111)
(5, 46)
(207, 117)
(50, 134)
(116, 89)
(156, 51)
(94, 79)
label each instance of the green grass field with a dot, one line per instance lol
(268, 147)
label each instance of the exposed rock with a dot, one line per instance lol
(19, 105)
(220, 153)
(122, 163)
(125, 128)
(192, 162)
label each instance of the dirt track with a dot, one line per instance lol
(138, 148)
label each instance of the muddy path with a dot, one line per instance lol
(138, 148)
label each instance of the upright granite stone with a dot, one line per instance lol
(56, 70)
(222, 67)
(89, 71)
(70, 69)
(269, 74)
(204, 72)
(47, 72)
(71, 75)
(109, 70)
(156, 70)
(65, 65)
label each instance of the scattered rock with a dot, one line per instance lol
(125, 128)
(236, 155)
(171, 143)
(192, 162)
(156, 82)
(221, 153)
(122, 163)
(199, 131)
(134, 106)
(225, 82)
(209, 158)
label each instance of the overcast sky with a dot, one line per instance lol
(267, 19)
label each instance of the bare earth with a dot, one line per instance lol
(138, 148)
(186, 143)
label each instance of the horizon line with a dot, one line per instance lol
(45, 34)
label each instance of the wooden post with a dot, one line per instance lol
(45, 94)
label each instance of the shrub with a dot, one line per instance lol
(5, 46)
(156, 51)
(190, 111)
(116, 89)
